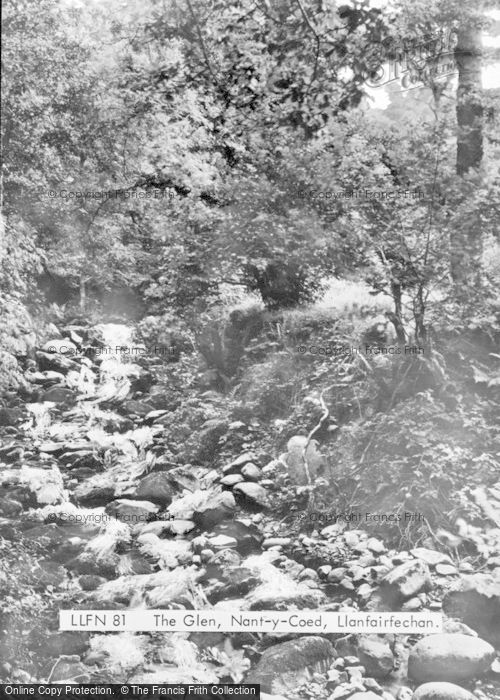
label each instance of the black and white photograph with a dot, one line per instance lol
(250, 349)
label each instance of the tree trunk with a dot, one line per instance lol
(466, 240)
(83, 295)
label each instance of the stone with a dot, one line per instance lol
(231, 480)
(284, 667)
(10, 416)
(252, 493)
(405, 581)
(449, 657)
(59, 394)
(237, 464)
(251, 472)
(441, 691)
(430, 556)
(446, 570)
(55, 362)
(475, 600)
(157, 488)
(222, 542)
(376, 656)
(60, 643)
(89, 582)
(364, 695)
(131, 512)
(220, 508)
(336, 575)
(181, 527)
(276, 542)
(376, 546)
(61, 346)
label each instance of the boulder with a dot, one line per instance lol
(405, 581)
(430, 556)
(158, 488)
(61, 346)
(475, 600)
(449, 657)
(441, 691)
(231, 480)
(251, 472)
(210, 515)
(90, 582)
(55, 362)
(284, 667)
(251, 493)
(376, 656)
(10, 416)
(58, 394)
(131, 512)
(237, 464)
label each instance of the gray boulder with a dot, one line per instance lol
(405, 581)
(284, 667)
(449, 657)
(376, 656)
(441, 691)
(475, 600)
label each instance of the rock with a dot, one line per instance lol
(376, 656)
(237, 464)
(59, 394)
(252, 493)
(337, 575)
(55, 362)
(231, 480)
(46, 378)
(181, 527)
(237, 582)
(446, 570)
(276, 542)
(69, 668)
(251, 472)
(284, 667)
(376, 546)
(136, 408)
(131, 512)
(94, 494)
(363, 695)
(405, 581)
(246, 534)
(222, 542)
(475, 600)
(441, 691)
(157, 487)
(449, 657)
(430, 556)
(206, 443)
(89, 582)
(61, 346)
(220, 508)
(61, 643)
(10, 416)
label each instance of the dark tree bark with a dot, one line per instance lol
(466, 241)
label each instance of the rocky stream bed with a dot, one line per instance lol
(93, 517)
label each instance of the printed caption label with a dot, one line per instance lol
(302, 621)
